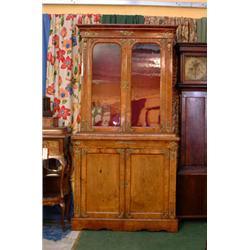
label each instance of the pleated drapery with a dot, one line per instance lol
(186, 31)
(202, 30)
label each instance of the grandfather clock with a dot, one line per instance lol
(192, 167)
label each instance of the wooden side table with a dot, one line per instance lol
(56, 141)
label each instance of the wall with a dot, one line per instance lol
(128, 10)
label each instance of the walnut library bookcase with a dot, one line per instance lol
(125, 155)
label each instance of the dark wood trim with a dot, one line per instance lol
(202, 216)
(192, 170)
(189, 47)
(191, 87)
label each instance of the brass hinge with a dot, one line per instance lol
(124, 85)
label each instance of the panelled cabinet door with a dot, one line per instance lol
(194, 128)
(147, 183)
(102, 179)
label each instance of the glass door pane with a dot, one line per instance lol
(145, 85)
(106, 79)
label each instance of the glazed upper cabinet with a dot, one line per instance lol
(127, 76)
(125, 155)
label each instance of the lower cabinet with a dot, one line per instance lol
(124, 188)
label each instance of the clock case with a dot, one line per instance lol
(192, 165)
(186, 50)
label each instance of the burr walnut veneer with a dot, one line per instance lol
(125, 155)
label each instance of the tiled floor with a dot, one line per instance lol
(66, 243)
(54, 238)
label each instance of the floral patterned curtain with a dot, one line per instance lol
(64, 67)
(187, 27)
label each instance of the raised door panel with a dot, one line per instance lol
(191, 181)
(192, 195)
(147, 183)
(193, 135)
(102, 179)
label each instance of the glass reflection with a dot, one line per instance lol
(145, 83)
(106, 78)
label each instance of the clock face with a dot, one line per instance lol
(195, 68)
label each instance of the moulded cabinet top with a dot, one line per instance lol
(127, 30)
(55, 133)
(127, 26)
